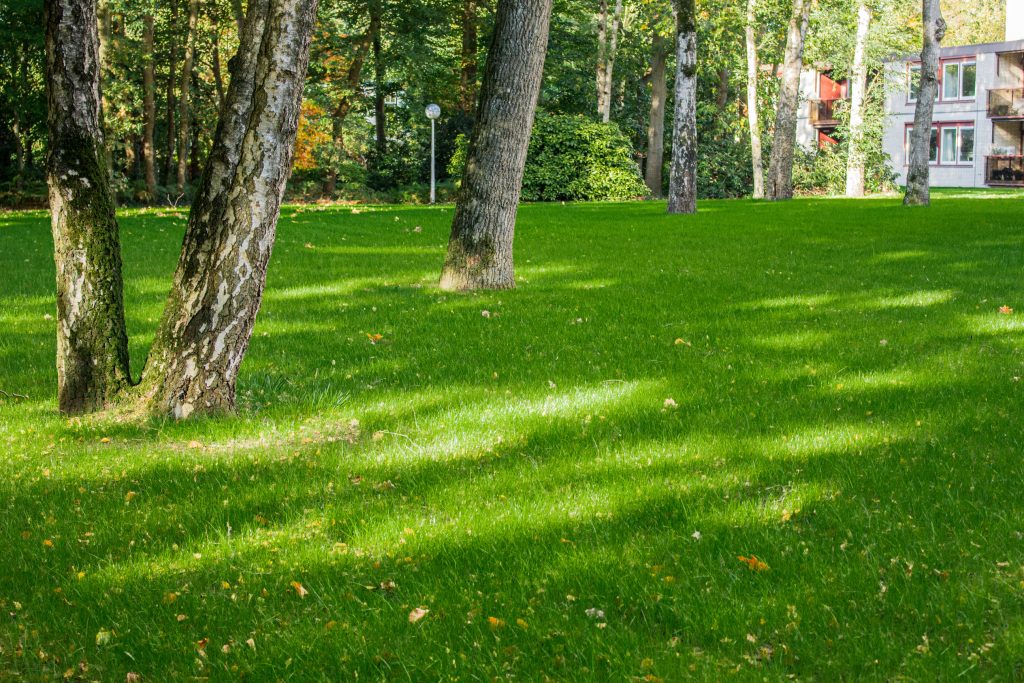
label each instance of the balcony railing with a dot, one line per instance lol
(822, 113)
(1004, 169)
(1006, 103)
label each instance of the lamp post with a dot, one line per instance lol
(433, 112)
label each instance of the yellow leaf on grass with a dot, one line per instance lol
(300, 589)
(495, 622)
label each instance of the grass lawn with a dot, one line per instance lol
(567, 481)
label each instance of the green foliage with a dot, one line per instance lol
(823, 171)
(573, 158)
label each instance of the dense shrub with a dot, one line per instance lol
(572, 158)
(823, 171)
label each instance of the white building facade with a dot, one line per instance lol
(978, 121)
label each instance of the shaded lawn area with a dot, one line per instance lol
(845, 406)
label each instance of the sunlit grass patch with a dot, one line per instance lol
(683, 448)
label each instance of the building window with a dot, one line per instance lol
(959, 80)
(952, 144)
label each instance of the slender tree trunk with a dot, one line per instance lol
(780, 166)
(19, 150)
(918, 180)
(218, 285)
(238, 12)
(855, 155)
(105, 57)
(218, 77)
(722, 91)
(682, 191)
(656, 122)
(353, 77)
(149, 106)
(92, 344)
(753, 117)
(468, 77)
(170, 142)
(184, 119)
(607, 47)
(379, 112)
(480, 248)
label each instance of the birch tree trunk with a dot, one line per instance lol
(753, 116)
(185, 115)
(780, 166)
(92, 344)
(855, 155)
(149, 106)
(219, 281)
(918, 180)
(607, 47)
(654, 170)
(682, 192)
(480, 248)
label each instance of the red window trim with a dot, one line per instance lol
(938, 147)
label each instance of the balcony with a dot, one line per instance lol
(1004, 170)
(1006, 103)
(822, 113)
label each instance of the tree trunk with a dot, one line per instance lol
(184, 118)
(855, 154)
(918, 180)
(656, 122)
(682, 192)
(480, 248)
(104, 33)
(607, 46)
(379, 112)
(753, 117)
(467, 79)
(92, 344)
(149, 106)
(219, 281)
(780, 166)
(19, 150)
(722, 91)
(218, 77)
(353, 77)
(239, 14)
(170, 142)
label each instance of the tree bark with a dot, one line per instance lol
(149, 106)
(219, 281)
(238, 12)
(918, 180)
(468, 76)
(780, 166)
(753, 117)
(480, 249)
(607, 47)
(656, 122)
(185, 115)
(380, 114)
(682, 192)
(855, 154)
(92, 344)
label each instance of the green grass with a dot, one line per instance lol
(846, 404)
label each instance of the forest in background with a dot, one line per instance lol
(375, 64)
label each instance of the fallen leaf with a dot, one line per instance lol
(495, 622)
(300, 589)
(1006, 310)
(754, 564)
(670, 403)
(103, 637)
(374, 338)
(417, 614)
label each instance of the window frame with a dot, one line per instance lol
(938, 130)
(940, 95)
